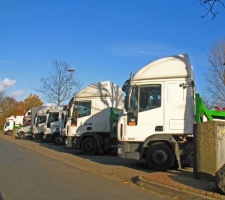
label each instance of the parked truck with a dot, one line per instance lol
(12, 122)
(92, 117)
(53, 125)
(161, 107)
(25, 130)
(39, 118)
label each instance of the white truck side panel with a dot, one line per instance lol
(179, 108)
(102, 95)
(9, 125)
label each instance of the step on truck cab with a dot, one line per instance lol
(92, 118)
(161, 107)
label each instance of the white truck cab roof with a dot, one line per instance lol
(177, 66)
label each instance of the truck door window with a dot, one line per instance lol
(54, 117)
(133, 100)
(40, 120)
(150, 97)
(84, 109)
(80, 109)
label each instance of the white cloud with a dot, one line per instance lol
(6, 83)
(17, 93)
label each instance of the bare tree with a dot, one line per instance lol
(60, 85)
(215, 76)
(211, 7)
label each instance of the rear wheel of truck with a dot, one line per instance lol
(159, 157)
(89, 146)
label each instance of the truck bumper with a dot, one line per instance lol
(128, 151)
(37, 136)
(48, 137)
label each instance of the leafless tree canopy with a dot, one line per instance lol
(215, 77)
(60, 84)
(211, 7)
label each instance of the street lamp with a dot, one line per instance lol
(71, 70)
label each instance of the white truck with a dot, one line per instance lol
(39, 118)
(12, 122)
(157, 122)
(92, 117)
(53, 126)
(25, 130)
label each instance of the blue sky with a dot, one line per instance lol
(101, 39)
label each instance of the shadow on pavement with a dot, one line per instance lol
(105, 159)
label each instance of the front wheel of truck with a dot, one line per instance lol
(159, 157)
(57, 140)
(21, 135)
(89, 146)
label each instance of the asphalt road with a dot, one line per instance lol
(34, 170)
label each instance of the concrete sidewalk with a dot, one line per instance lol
(180, 183)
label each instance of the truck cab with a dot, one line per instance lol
(89, 124)
(52, 127)
(159, 112)
(39, 120)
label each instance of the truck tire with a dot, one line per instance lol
(159, 157)
(21, 135)
(89, 146)
(57, 140)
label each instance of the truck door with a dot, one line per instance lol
(145, 115)
(81, 120)
(53, 121)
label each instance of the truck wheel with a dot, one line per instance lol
(89, 146)
(159, 157)
(57, 140)
(21, 135)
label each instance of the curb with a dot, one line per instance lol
(168, 190)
